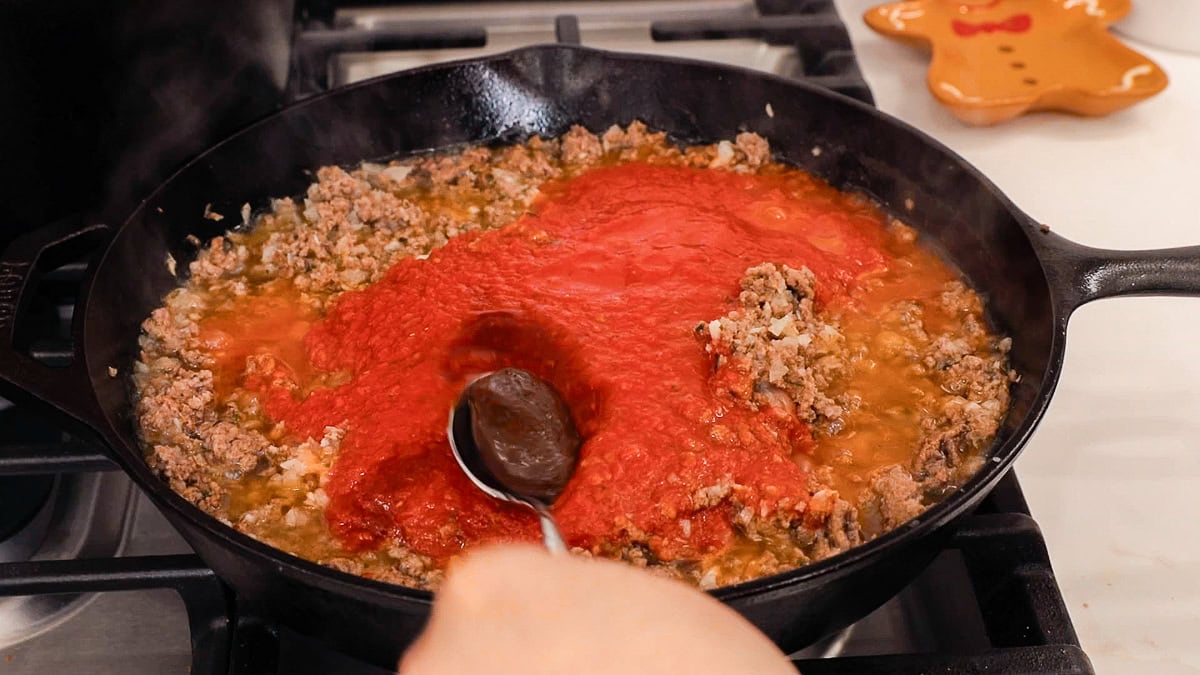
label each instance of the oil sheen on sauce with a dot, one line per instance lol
(598, 290)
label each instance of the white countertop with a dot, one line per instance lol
(1113, 472)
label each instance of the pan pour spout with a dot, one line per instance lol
(513, 436)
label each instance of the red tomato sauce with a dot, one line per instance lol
(599, 290)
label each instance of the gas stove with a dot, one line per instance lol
(793, 38)
(94, 580)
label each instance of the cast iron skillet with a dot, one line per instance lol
(1031, 278)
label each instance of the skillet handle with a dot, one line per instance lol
(1083, 274)
(66, 390)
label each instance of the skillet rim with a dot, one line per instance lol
(1001, 456)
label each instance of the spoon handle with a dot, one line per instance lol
(551, 537)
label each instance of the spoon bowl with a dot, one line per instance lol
(520, 448)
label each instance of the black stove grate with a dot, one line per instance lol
(812, 28)
(1026, 621)
(1028, 629)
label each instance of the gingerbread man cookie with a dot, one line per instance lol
(996, 59)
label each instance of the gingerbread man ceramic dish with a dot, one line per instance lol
(996, 59)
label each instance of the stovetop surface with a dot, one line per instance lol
(146, 629)
(987, 604)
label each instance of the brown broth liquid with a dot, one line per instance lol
(896, 393)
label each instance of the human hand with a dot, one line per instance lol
(518, 609)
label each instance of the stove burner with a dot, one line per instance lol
(87, 517)
(827, 647)
(21, 498)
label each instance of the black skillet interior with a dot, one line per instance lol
(544, 90)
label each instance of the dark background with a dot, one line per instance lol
(102, 100)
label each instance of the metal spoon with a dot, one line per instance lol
(513, 436)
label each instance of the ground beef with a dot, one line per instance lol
(787, 355)
(790, 356)
(830, 525)
(754, 147)
(712, 495)
(942, 462)
(631, 141)
(581, 147)
(979, 383)
(224, 257)
(892, 497)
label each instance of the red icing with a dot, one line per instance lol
(598, 292)
(1017, 23)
